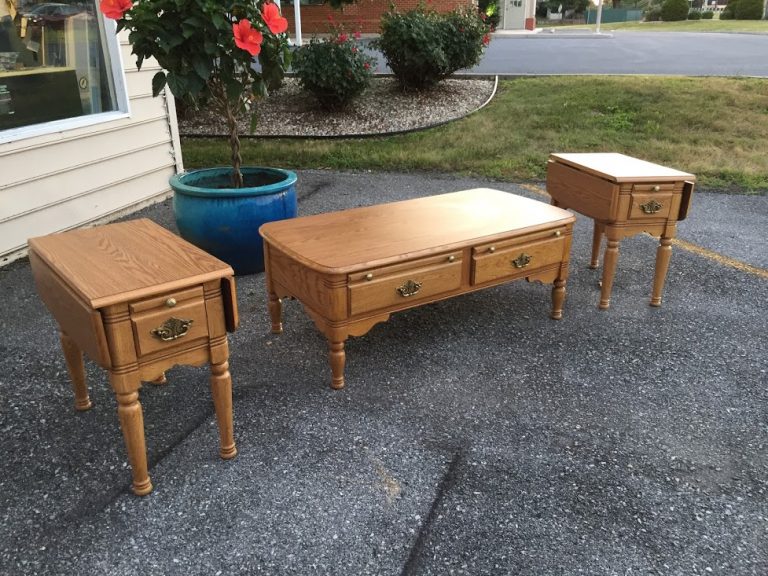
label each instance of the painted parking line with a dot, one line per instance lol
(688, 246)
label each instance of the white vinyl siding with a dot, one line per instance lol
(74, 177)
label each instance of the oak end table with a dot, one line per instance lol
(353, 268)
(138, 300)
(624, 196)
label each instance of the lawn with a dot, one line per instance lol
(716, 128)
(715, 25)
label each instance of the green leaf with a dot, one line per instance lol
(234, 90)
(220, 22)
(158, 83)
(259, 88)
(203, 67)
(177, 83)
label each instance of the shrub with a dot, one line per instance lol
(749, 10)
(694, 15)
(729, 12)
(465, 35)
(674, 10)
(422, 47)
(708, 15)
(653, 14)
(334, 70)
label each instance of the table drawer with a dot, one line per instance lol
(168, 321)
(404, 284)
(650, 201)
(510, 259)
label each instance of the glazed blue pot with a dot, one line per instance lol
(224, 221)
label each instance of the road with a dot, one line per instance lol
(689, 54)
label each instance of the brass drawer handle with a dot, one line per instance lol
(410, 288)
(171, 302)
(656, 188)
(651, 207)
(451, 258)
(522, 261)
(369, 277)
(171, 329)
(492, 249)
(558, 233)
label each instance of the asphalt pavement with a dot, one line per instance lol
(475, 435)
(621, 52)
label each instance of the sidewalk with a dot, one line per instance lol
(475, 436)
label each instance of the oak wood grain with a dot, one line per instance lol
(362, 238)
(109, 264)
(617, 167)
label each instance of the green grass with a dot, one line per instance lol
(745, 26)
(716, 128)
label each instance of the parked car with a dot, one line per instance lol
(52, 11)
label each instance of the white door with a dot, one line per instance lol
(514, 15)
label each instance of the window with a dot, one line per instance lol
(54, 63)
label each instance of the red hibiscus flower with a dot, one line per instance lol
(357, 35)
(487, 39)
(115, 9)
(247, 37)
(367, 66)
(271, 15)
(343, 38)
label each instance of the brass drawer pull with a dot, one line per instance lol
(492, 249)
(558, 233)
(171, 302)
(451, 258)
(369, 277)
(522, 261)
(410, 288)
(172, 329)
(651, 207)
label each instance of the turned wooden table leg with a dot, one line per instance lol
(597, 238)
(663, 255)
(221, 390)
(275, 313)
(558, 297)
(76, 368)
(337, 356)
(132, 424)
(609, 271)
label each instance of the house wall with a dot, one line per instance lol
(363, 16)
(86, 175)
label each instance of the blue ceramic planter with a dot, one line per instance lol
(225, 221)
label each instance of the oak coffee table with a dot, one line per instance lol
(351, 269)
(138, 300)
(624, 196)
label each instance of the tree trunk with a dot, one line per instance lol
(234, 142)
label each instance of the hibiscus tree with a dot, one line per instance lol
(207, 49)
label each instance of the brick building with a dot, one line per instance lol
(365, 15)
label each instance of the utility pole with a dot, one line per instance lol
(599, 15)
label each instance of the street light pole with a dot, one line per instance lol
(599, 16)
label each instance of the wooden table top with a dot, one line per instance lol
(620, 168)
(119, 262)
(352, 239)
